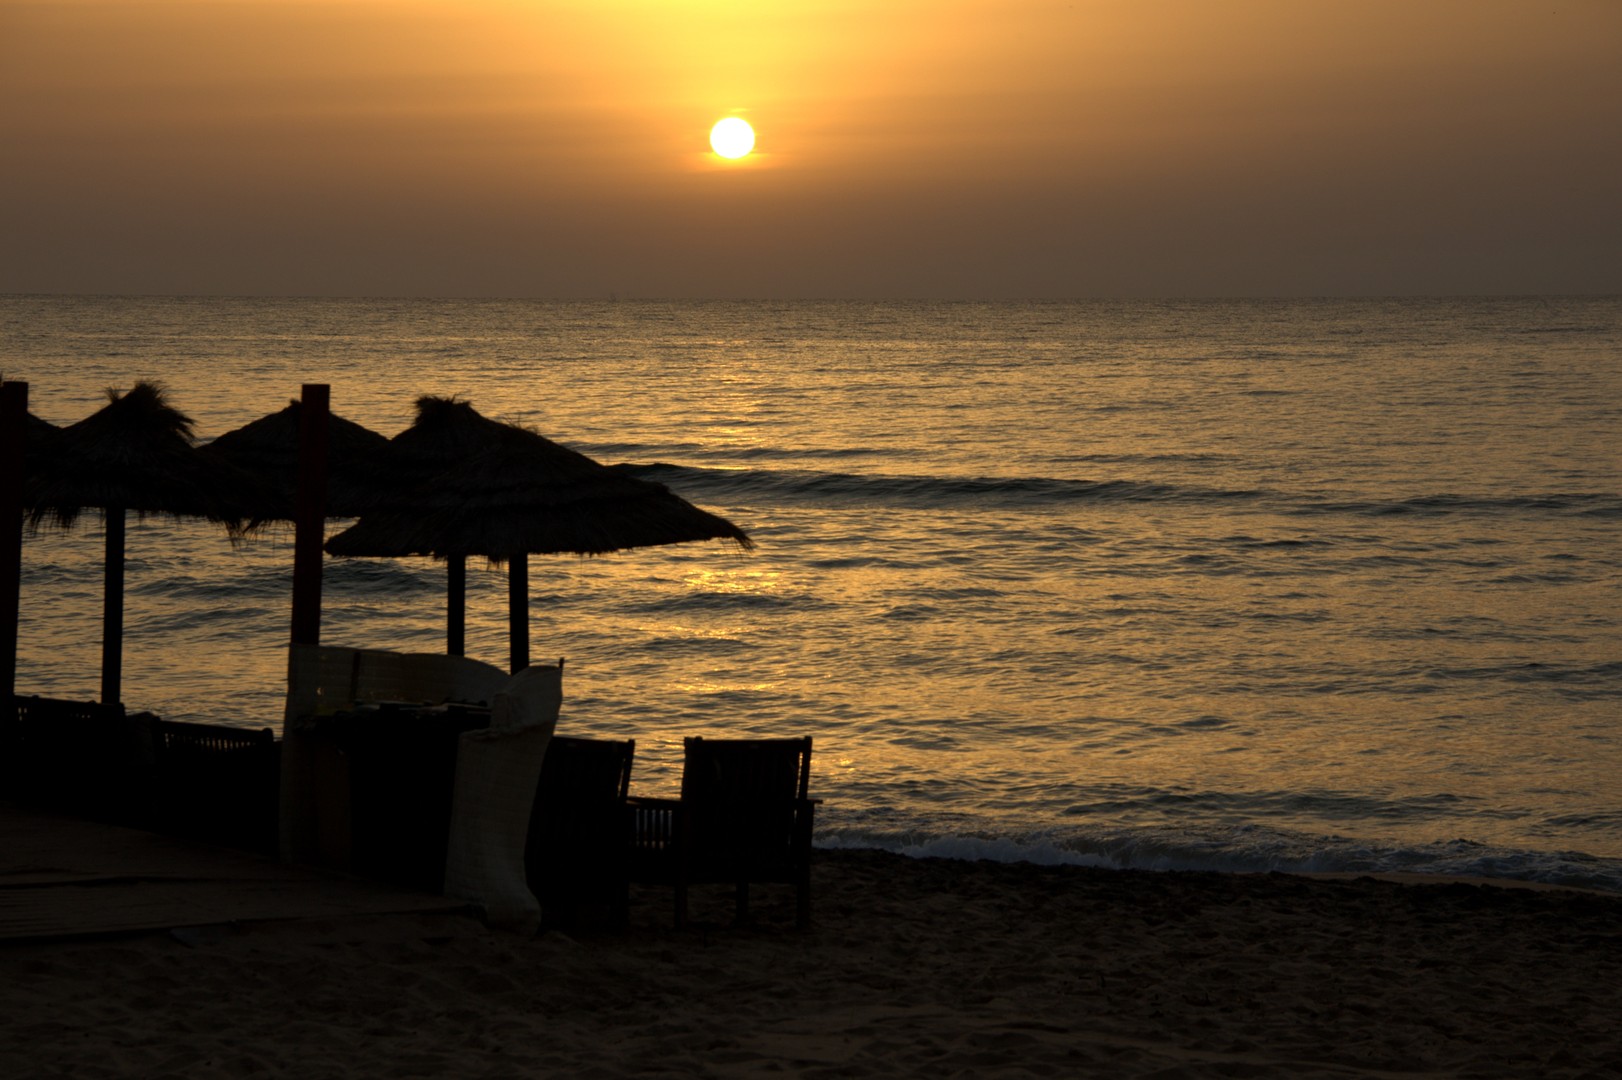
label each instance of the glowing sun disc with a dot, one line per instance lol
(732, 137)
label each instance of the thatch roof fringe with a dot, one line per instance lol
(135, 454)
(477, 486)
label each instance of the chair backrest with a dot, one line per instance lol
(179, 736)
(580, 777)
(741, 795)
(216, 783)
(578, 821)
(80, 755)
(77, 726)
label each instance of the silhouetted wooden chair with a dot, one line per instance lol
(744, 816)
(80, 757)
(399, 768)
(579, 838)
(216, 783)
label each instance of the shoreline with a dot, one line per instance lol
(912, 966)
(1406, 877)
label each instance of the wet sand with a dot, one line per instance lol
(912, 968)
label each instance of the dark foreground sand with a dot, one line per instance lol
(914, 968)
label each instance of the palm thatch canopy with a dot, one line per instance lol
(40, 432)
(480, 487)
(487, 488)
(40, 438)
(358, 467)
(445, 432)
(134, 454)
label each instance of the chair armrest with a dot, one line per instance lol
(656, 825)
(648, 802)
(805, 813)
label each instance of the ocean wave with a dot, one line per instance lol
(696, 647)
(819, 487)
(851, 489)
(1586, 504)
(261, 584)
(629, 451)
(1578, 681)
(723, 602)
(1562, 329)
(1096, 458)
(372, 578)
(1330, 806)
(1243, 849)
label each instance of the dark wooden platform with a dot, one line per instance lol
(62, 877)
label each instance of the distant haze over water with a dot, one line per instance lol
(1305, 585)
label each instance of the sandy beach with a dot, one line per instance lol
(912, 968)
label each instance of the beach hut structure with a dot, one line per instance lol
(497, 490)
(357, 465)
(134, 455)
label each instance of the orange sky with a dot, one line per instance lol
(959, 148)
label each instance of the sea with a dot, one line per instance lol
(1245, 585)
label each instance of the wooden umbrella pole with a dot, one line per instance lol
(456, 605)
(518, 610)
(112, 610)
(13, 429)
(310, 514)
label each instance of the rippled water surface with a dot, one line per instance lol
(1304, 584)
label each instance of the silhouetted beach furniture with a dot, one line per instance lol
(744, 816)
(578, 851)
(373, 733)
(504, 492)
(204, 781)
(79, 757)
(416, 768)
(386, 783)
(215, 783)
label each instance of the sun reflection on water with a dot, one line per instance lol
(711, 580)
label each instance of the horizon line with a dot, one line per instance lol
(613, 298)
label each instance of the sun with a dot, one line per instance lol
(732, 137)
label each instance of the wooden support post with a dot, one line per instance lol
(310, 513)
(112, 609)
(456, 605)
(518, 610)
(13, 448)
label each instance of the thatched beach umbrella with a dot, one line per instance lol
(504, 492)
(441, 436)
(357, 463)
(134, 455)
(41, 433)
